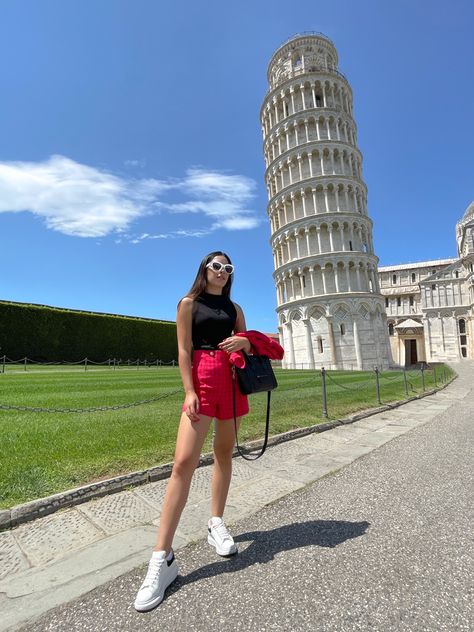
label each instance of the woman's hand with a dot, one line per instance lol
(191, 403)
(235, 343)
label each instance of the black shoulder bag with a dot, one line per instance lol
(256, 377)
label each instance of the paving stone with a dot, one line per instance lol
(118, 512)
(201, 484)
(302, 473)
(350, 451)
(372, 423)
(261, 491)
(153, 493)
(51, 537)
(12, 559)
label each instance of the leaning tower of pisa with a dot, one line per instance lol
(330, 309)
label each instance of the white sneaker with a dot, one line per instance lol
(220, 538)
(161, 573)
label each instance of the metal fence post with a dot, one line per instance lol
(377, 383)
(406, 383)
(85, 364)
(325, 400)
(114, 364)
(24, 360)
(138, 363)
(423, 376)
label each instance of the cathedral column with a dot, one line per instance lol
(326, 202)
(341, 233)
(303, 200)
(308, 249)
(315, 206)
(311, 276)
(359, 287)
(357, 343)
(292, 95)
(331, 241)
(324, 94)
(297, 241)
(289, 346)
(332, 343)
(318, 235)
(310, 160)
(336, 277)
(348, 277)
(323, 278)
(293, 206)
(309, 342)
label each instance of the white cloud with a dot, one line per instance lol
(84, 201)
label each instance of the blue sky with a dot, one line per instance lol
(130, 142)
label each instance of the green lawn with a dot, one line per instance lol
(43, 453)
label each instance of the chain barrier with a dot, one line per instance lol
(383, 376)
(111, 363)
(347, 388)
(91, 409)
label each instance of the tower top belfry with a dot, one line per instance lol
(330, 309)
(302, 53)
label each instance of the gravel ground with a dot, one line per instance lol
(384, 544)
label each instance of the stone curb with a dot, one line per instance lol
(34, 509)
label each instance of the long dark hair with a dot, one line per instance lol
(199, 285)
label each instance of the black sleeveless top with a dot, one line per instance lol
(214, 317)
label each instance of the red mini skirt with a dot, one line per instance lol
(212, 378)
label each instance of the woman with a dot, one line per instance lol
(207, 322)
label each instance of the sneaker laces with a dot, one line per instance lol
(222, 532)
(154, 567)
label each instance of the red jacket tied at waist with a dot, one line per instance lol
(261, 345)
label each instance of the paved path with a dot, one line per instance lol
(384, 543)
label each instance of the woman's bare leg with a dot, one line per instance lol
(224, 442)
(191, 436)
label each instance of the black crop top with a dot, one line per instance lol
(214, 319)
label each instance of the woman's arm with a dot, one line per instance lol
(236, 343)
(184, 320)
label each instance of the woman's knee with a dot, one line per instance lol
(184, 466)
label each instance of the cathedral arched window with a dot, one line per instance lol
(343, 329)
(456, 274)
(394, 279)
(399, 301)
(413, 277)
(320, 344)
(462, 337)
(391, 330)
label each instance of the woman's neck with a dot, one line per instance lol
(217, 291)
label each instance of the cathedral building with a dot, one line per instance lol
(430, 305)
(331, 311)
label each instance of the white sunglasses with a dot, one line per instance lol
(217, 266)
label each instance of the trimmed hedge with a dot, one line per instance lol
(49, 334)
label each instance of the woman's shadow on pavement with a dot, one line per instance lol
(264, 545)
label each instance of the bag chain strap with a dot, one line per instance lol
(267, 424)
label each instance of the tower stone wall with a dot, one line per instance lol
(330, 309)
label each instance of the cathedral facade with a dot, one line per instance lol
(430, 305)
